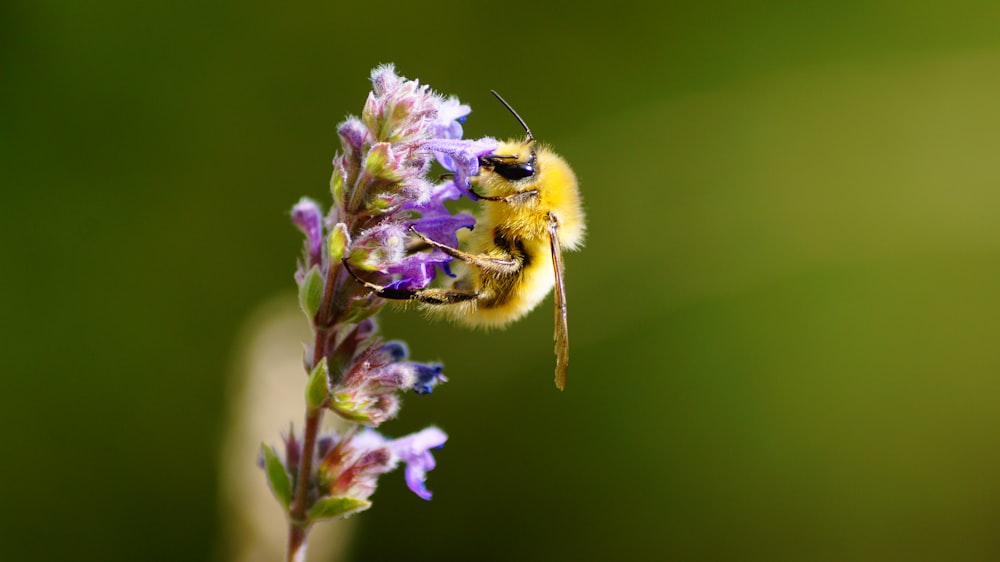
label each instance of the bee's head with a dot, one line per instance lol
(512, 164)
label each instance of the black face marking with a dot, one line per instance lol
(510, 168)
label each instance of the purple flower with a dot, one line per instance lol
(352, 465)
(414, 450)
(448, 122)
(368, 391)
(462, 158)
(412, 125)
(403, 127)
(399, 110)
(353, 137)
(382, 246)
(396, 349)
(427, 376)
(417, 270)
(307, 216)
(383, 192)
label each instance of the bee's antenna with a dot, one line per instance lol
(531, 138)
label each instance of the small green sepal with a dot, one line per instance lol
(330, 508)
(317, 387)
(360, 258)
(345, 405)
(338, 242)
(277, 477)
(337, 186)
(311, 292)
(381, 164)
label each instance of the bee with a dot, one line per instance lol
(530, 212)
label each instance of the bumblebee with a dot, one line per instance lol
(530, 212)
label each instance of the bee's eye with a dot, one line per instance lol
(509, 168)
(516, 171)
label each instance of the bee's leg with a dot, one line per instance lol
(485, 263)
(417, 246)
(442, 296)
(427, 296)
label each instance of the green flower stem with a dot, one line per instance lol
(298, 521)
(379, 187)
(298, 524)
(326, 316)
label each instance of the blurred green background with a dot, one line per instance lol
(785, 321)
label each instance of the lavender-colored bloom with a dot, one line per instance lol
(415, 451)
(396, 349)
(450, 116)
(352, 465)
(403, 127)
(307, 216)
(399, 110)
(349, 464)
(462, 158)
(382, 173)
(417, 121)
(381, 246)
(382, 194)
(427, 377)
(417, 270)
(353, 136)
(367, 392)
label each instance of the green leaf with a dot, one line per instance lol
(317, 388)
(277, 476)
(339, 240)
(311, 292)
(329, 508)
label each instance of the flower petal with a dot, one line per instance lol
(414, 450)
(448, 122)
(462, 157)
(307, 216)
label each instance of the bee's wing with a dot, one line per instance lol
(562, 327)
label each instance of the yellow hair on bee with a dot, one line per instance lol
(557, 193)
(524, 221)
